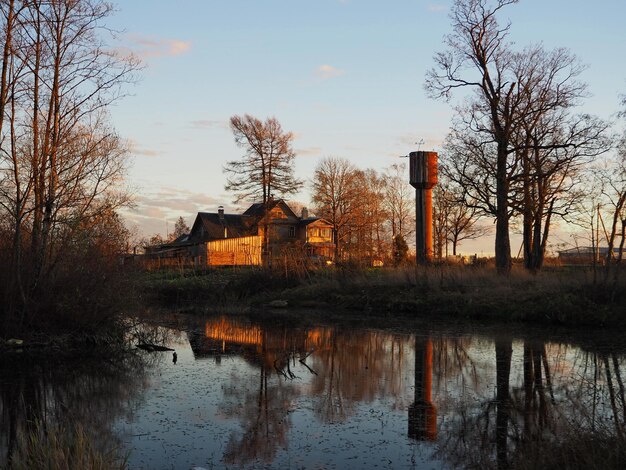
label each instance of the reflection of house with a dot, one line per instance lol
(219, 239)
(585, 255)
(258, 345)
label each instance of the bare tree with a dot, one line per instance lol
(399, 201)
(61, 163)
(336, 196)
(518, 148)
(369, 241)
(611, 213)
(478, 57)
(266, 170)
(552, 145)
(456, 217)
(442, 204)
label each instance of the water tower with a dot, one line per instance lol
(423, 176)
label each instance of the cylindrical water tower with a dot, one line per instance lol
(423, 176)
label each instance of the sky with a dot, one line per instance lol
(345, 76)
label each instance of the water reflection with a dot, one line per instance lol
(422, 412)
(54, 394)
(251, 393)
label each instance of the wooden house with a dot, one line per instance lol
(262, 233)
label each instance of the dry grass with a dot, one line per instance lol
(557, 295)
(63, 449)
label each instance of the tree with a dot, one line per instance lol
(442, 204)
(180, 228)
(400, 250)
(478, 57)
(455, 217)
(368, 239)
(61, 163)
(551, 143)
(399, 201)
(336, 196)
(517, 146)
(266, 170)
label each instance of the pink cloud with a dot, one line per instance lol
(150, 47)
(326, 71)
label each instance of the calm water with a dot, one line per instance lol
(246, 394)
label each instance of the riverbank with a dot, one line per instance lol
(563, 296)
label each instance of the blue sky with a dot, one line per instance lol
(345, 76)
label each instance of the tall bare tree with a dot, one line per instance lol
(456, 217)
(399, 201)
(518, 147)
(478, 57)
(552, 144)
(336, 195)
(266, 169)
(60, 161)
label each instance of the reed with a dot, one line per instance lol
(61, 448)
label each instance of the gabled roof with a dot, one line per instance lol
(257, 209)
(214, 224)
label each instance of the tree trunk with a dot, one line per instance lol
(503, 242)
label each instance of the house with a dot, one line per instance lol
(264, 232)
(586, 254)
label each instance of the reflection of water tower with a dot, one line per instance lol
(422, 413)
(423, 176)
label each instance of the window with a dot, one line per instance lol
(292, 232)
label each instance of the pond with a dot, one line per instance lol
(246, 393)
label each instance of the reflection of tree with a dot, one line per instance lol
(503, 371)
(535, 410)
(345, 367)
(452, 361)
(264, 415)
(479, 424)
(599, 401)
(357, 366)
(65, 393)
(559, 406)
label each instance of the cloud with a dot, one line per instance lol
(151, 47)
(154, 210)
(137, 149)
(310, 151)
(147, 152)
(435, 7)
(324, 72)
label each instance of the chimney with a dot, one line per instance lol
(220, 212)
(305, 213)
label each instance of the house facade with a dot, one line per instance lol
(261, 234)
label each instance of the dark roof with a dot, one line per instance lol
(239, 225)
(257, 209)
(214, 224)
(587, 250)
(181, 238)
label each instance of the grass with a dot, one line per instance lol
(63, 449)
(577, 451)
(558, 296)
